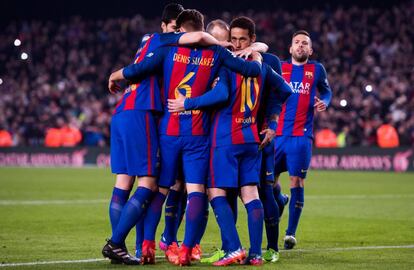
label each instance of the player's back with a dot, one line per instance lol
(296, 117)
(146, 94)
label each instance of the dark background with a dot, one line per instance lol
(17, 10)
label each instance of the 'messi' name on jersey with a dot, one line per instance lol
(198, 61)
(300, 87)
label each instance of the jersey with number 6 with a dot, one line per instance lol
(189, 71)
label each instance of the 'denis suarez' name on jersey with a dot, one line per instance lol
(296, 118)
(189, 71)
(145, 95)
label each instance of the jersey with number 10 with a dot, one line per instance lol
(189, 71)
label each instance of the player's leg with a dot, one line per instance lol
(224, 175)
(270, 206)
(124, 182)
(140, 146)
(195, 166)
(169, 156)
(281, 199)
(171, 211)
(249, 179)
(280, 166)
(298, 160)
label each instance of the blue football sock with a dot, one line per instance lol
(271, 216)
(153, 216)
(182, 206)
(225, 220)
(203, 224)
(194, 218)
(139, 227)
(280, 198)
(118, 200)
(232, 196)
(295, 209)
(171, 210)
(255, 224)
(132, 212)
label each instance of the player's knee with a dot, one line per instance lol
(148, 182)
(163, 190)
(178, 186)
(124, 181)
(249, 193)
(215, 192)
(296, 181)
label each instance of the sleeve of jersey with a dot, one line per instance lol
(148, 66)
(324, 88)
(276, 82)
(169, 38)
(219, 94)
(273, 61)
(236, 64)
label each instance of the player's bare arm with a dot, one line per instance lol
(255, 47)
(202, 39)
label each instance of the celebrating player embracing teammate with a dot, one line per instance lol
(186, 141)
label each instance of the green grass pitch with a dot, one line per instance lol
(351, 220)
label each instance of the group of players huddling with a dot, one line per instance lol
(197, 124)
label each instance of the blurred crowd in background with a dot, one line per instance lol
(53, 75)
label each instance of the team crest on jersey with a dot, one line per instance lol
(309, 74)
(150, 54)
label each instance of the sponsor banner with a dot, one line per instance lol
(54, 157)
(348, 159)
(363, 159)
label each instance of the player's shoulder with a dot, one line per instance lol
(268, 57)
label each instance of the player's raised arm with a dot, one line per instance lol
(255, 47)
(246, 68)
(218, 94)
(202, 39)
(325, 90)
(136, 72)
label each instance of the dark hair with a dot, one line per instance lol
(171, 12)
(191, 19)
(220, 23)
(244, 23)
(301, 32)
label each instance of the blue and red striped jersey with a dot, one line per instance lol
(145, 95)
(296, 117)
(235, 122)
(191, 72)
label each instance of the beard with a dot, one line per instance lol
(300, 58)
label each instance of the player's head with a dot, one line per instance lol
(190, 20)
(242, 32)
(169, 15)
(301, 47)
(219, 29)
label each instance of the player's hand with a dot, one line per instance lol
(269, 136)
(227, 44)
(256, 57)
(319, 105)
(113, 85)
(176, 105)
(245, 53)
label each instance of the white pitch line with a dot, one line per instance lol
(310, 197)
(206, 254)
